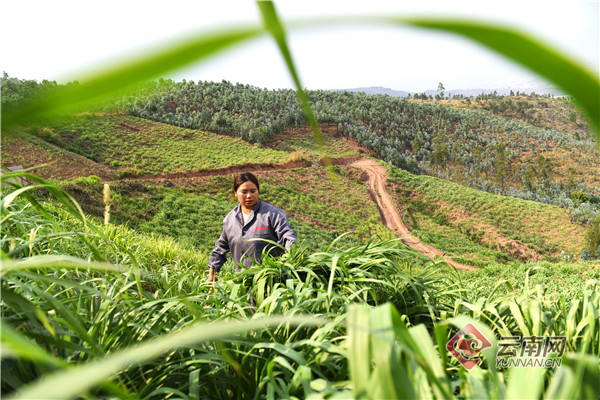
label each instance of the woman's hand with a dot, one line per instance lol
(211, 275)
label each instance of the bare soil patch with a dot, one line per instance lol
(242, 168)
(52, 161)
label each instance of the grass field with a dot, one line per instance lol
(134, 146)
(478, 227)
(119, 313)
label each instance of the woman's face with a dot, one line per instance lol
(247, 195)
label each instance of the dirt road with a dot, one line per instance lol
(377, 176)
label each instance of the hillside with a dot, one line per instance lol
(157, 188)
(181, 138)
(129, 287)
(131, 146)
(468, 144)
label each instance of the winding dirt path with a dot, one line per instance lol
(377, 176)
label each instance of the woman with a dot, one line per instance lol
(248, 225)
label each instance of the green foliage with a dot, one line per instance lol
(60, 310)
(578, 197)
(130, 144)
(592, 238)
(197, 221)
(91, 180)
(17, 93)
(147, 323)
(455, 144)
(479, 228)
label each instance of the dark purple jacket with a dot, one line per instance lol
(264, 222)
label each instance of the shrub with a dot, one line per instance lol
(91, 180)
(592, 238)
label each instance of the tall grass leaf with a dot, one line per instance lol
(334, 262)
(65, 199)
(71, 383)
(283, 350)
(359, 356)
(573, 78)
(517, 314)
(71, 319)
(571, 320)
(9, 198)
(440, 332)
(390, 378)
(337, 239)
(525, 383)
(276, 29)
(58, 261)
(112, 81)
(61, 195)
(19, 303)
(562, 385)
(587, 374)
(475, 384)
(535, 316)
(430, 362)
(15, 344)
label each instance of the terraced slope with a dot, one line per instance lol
(463, 231)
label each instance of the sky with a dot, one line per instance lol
(63, 40)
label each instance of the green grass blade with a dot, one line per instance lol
(537, 57)
(359, 356)
(58, 261)
(15, 344)
(390, 378)
(194, 391)
(67, 384)
(276, 29)
(525, 383)
(519, 318)
(334, 262)
(128, 75)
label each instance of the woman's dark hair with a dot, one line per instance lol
(244, 177)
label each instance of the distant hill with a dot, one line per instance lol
(375, 90)
(458, 92)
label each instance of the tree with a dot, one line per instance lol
(592, 237)
(500, 162)
(441, 89)
(440, 151)
(415, 145)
